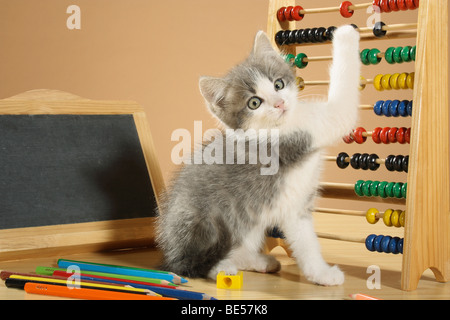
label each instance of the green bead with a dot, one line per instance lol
(405, 54)
(374, 188)
(366, 188)
(388, 55)
(299, 60)
(390, 189)
(364, 57)
(412, 53)
(382, 189)
(397, 55)
(372, 56)
(404, 189)
(358, 186)
(397, 189)
(289, 57)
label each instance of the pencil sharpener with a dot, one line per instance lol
(225, 281)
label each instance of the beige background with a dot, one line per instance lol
(153, 52)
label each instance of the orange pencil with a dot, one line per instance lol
(88, 294)
(360, 296)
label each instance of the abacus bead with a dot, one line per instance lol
(405, 163)
(280, 14)
(372, 161)
(393, 245)
(385, 81)
(416, 3)
(292, 38)
(371, 216)
(279, 37)
(393, 5)
(388, 55)
(364, 57)
(298, 38)
(343, 9)
(287, 13)
(377, 107)
(390, 189)
(400, 136)
(393, 107)
(395, 218)
(354, 160)
(406, 54)
(358, 135)
(376, 135)
(410, 4)
(400, 246)
(300, 83)
(398, 160)
(398, 190)
(289, 58)
(402, 108)
(397, 55)
(369, 242)
(311, 36)
(320, 34)
(408, 135)
(363, 161)
(340, 160)
(402, 80)
(372, 56)
(377, 243)
(402, 5)
(384, 244)
(393, 81)
(384, 135)
(296, 13)
(387, 217)
(366, 188)
(377, 82)
(358, 188)
(303, 35)
(378, 29)
(388, 162)
(410, 80)
(286, 34)
(329, 32)
(382, 189)
(348, 138)
(404, 189)
(373, 188)
(412, 53)
(401, 219)
(384, 5)
(299, 60)
(392, 134)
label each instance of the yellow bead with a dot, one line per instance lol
(395, 218)
(410, 80)
(402, 219)
(362, 83)
(402, 81)
(393, 81)
(372, 216)
(300, 83)
(387, 217)
(385, 81)
(377, 82)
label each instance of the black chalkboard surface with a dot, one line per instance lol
(61, 169)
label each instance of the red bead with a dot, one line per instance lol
(280, 14)
(343, 9)
(348, 138)
(416, 3)
(384, 135)
(392, 134)
(401, 135)
(376, 3)
(358, 135)
(287, 13)
(393, 5)
(410, 4)
(376, 135)
(295, 13)
(384, 5)
(402, 5)
(408, 135)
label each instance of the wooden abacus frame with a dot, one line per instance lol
(427, 225)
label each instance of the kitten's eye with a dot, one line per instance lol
(278, 84)
(254, 103)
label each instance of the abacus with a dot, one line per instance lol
(426, 218)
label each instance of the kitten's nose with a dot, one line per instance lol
(280, 105)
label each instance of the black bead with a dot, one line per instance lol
(389, 162)
(311, 35)
(354, 160)
(398, 163)
(298, 39)
(405, 163)
(319, 35)
(363, 161)
(373, 165)
(329, 33)
(340, 160)
(286, 34)
(279, 38)
(304, 35)
(291, 37)
(354, 26)
(377, 29)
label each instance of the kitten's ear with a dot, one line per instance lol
(262, 45)
(213, 90)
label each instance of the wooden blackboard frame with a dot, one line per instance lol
(29, 242)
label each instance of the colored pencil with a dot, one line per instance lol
(89, 266)
(167, 292)
(85, 284)
(6, 274)
(49, 271)
(88, 294)
(360, 296)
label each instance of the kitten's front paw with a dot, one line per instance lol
(328, 276)
(346, 34)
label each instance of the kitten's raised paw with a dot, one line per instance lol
(329, 276)
(346, 34)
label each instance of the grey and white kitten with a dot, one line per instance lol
(214, 216)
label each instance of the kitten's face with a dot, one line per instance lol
(259, 93)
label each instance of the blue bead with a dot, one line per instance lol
(385, 108)
(369, 242)
(385, 244)
(393, 245)
(377, 107)
(402, 108)
(393, 108)
(377, 243)
(409, 108)
(400, 246)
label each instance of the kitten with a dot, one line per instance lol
(215, 216)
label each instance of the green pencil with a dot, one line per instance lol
(49, 271)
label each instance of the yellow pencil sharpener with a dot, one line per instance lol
(225, 281)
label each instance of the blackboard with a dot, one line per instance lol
(62, 169)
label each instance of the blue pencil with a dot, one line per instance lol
(137, 272)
